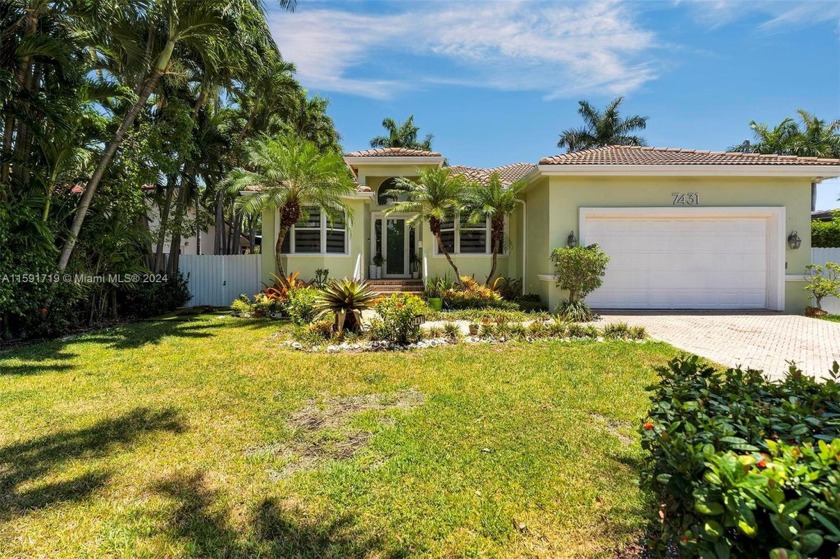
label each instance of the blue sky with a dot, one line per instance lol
(497, 81)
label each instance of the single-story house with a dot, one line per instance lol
(684, 229)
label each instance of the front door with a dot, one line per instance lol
(395, 249)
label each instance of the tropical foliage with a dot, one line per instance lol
(741, 466)
(494, 202)
(823, 281)
(607, 128)
(580, 271)
(826, 234)
(403, 135)
(810, 137)
(345, 299)
(437, 195)
(291, 175)
(113, 114)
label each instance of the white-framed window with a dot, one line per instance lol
(461, 237)
(315, 234)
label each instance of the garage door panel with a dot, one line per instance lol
(707, 263)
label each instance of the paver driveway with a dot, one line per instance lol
(763, 341)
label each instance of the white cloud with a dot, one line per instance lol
(557, 48)
(774, 15)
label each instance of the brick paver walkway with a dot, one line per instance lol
(764, 341)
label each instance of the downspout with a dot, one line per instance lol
(814, 195)
(524, 232)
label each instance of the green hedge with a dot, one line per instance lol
(825, 234)
(744, 467)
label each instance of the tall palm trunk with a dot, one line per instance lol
(497, 231)
(21, 80)
(128, 120)
(163, 224)
(434, 225)
(496, 248)
(278, 250)
(219, 227)
(178, 226)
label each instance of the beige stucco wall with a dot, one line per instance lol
(564, 196)
(339, 265)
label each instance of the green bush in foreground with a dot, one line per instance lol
(742, 466)
(398, 318)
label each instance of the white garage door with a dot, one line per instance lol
(664, 262)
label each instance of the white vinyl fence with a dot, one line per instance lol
(821, 256)
(218, 280)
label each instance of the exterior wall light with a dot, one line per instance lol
(794, 241)
(571, 240)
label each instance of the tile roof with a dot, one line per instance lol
(392, 152)
(636, 155)
(508, 173)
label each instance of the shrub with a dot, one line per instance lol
(436, 287)
(472, 295)
(154, 298)
(345, 300)
(575, 330)
(509, 289)
(742, 466)
(279, 291)
(301, 304)
(435, 332)
(826, 233)
(579, 270)
(398, 318)
(617, 331)
(575, 311)
(531, 302)
(241, 306)
(823, 282)
(452, 331)
(313, 334)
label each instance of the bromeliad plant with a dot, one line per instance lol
(345, 299)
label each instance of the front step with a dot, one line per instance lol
(411, 286)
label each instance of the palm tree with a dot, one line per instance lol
(812, 138)
(401, 136)
(495, 202)
(288, 174)
(603, 129)
(436, 196)
(165, 32)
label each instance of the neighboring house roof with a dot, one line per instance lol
(392, 152)
(507, 173)
(824, 215)
(636, 155)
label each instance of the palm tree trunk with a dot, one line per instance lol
(20, 79)
(180, 212)
(496, 248)
(278, 250)
(163, 223)
(128, 120)
(218, 232)
(442, 249)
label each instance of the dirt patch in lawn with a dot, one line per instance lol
(322, 430)
(614, 427)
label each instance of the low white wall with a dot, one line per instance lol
(821, 256)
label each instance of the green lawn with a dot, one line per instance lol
(202, 436)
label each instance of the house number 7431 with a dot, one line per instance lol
(686, 198)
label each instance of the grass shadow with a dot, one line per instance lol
(274, 530)
(23, 464)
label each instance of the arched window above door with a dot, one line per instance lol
(383, 198)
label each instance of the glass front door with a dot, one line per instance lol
(396, 248)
